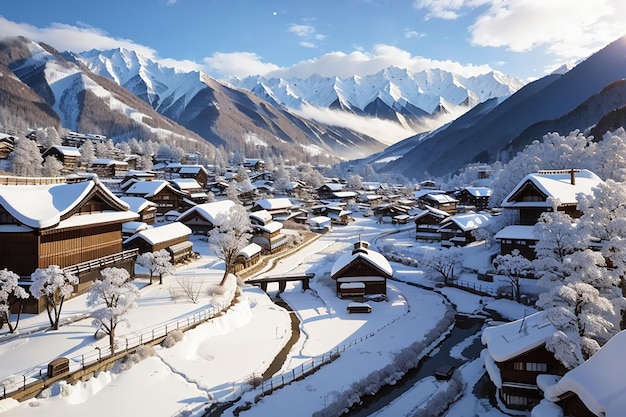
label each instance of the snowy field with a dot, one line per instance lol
(216, 361)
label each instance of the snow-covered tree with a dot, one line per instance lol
(230, 235)
(56, 285)
(87, 153)
(558, 238)
(146, 260)
(10, 294)
(584, 320)
(310, 176)
(232, 192)
(26, 159)
(220, 163)
(162, 264)
(611, 156)
(354, 182)
(444, 262)
(52, 167)
(515, 268)
(113, 296)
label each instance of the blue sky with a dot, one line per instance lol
(522, 38)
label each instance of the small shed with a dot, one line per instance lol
(355, 307)
(362, 265)
(320, 224)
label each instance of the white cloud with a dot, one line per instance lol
(303, 31)
(364, 63)
(413, 34)
(385, 131)
(569, 30)
(307, 44)
(71, 38)
(237, 64)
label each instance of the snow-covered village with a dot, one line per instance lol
(372, 233)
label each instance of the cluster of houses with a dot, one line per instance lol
(107, 217)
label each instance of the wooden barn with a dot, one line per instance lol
(173, 237)
(248, 256)
(516, 355)
(361, 265)
(76, 226)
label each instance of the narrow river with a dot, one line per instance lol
(464, 328)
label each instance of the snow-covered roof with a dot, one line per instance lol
(556, 184)
(209, 210)
(479, 191)
(186, 183)
(599, 382)
(137, 204)
(271, 227)
(191, 169)
(66, 150)
(134, 226)
(431, 210)
(108, 162)
(263, 216)
(333, 186)
(147, 188)
(373, 258)
(274, 203)
(344, 194)
(318, 220)
(440, 198)
(517, 232)
(468, 221)
(250, 250)
(512, 339)
(156, 235)
(421, 193)
(42, 206)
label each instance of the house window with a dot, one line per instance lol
(520, 242)
(536, 367)
(518, 366)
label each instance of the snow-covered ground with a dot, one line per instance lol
(216, 360)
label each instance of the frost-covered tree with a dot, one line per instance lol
(310, 176)
(611, 156)
(558, 238)
(113, 296)
(26, 159)
(354, 182)
(230, 235)
(162, 264)
(87, 153)
(52, 167)
(515, 268)
(55, 285)
(444, 262)
(232, 191)
(220, 163)
(10, 294)
(146, 260)
(584, 320)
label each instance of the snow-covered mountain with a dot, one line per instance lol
(394, 93)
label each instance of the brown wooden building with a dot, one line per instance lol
(160, 192)
(362, 265)
(76, 226)
(516, 355)
(67, 155)
(427, 224)
(173, 237)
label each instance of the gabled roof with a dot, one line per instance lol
(369, 256)
(64, 150)
(599, 382)
(186, 183)
(510, 340)
(263, 216)
(137, 204)
(148, 188)
(467, 221)
(440, 214)
(555, 184)
(208, 211)
(517, 232)
(333, 186)
(156, 235)
(274, 203)
(46, 206)
(479, 191)
(440, 198)
(192, 169)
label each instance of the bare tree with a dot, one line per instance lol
(56, 285)
(115, 296)
(444, 262)
(10, 294)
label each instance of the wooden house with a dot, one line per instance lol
(194, 191)
(260, 217)
(173, 237)
(441, 201)
(254, 164)
(67, 155)
(459, 229)
(476, 198)
(338, 215)
(196, 172)
(7, 145)
(145, 208)
(76, 226)
(515, 355)
(248, 256)
(273, 206)
(269, 236)
(427, 223)
(327, 190)
(518, 237)
(594, 388)
(362, 265)
(109, 168)
(160, 192)
(201, 218)
(319, 224)
(537, 193)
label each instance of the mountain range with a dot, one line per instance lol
(121, 94)
(578, 99)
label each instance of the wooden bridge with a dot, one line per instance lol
(282, 281)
